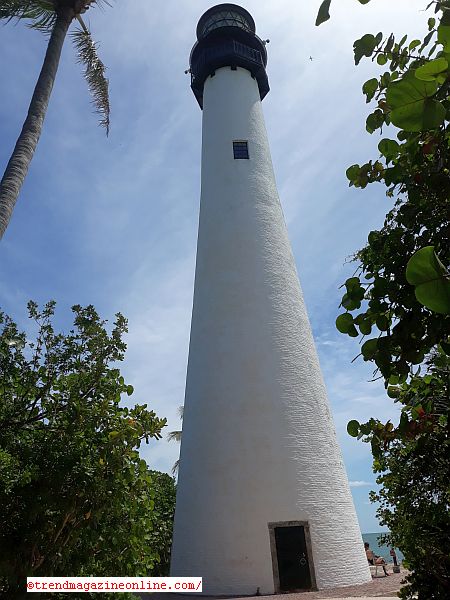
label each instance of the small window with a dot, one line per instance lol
(240, 149)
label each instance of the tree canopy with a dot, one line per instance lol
(76, 497)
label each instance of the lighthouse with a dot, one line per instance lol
(263, 502)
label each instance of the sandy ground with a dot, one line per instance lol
(379, 587)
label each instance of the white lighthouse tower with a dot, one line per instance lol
(263, 501)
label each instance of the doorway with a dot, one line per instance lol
(292, 561)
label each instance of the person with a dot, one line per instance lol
(373, 559)
(394, 556)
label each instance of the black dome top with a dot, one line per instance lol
(225, 15)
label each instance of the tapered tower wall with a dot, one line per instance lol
(259, 444)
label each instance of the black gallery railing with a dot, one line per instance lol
(212, 54)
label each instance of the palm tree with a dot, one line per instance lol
(175, 436)
(53, 17)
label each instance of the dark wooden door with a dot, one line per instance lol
(292, 556)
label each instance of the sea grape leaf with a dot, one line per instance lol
(389, 148)
(369, 348)
(352, 173)
(353, 428)
(369, 88)
(431, 69)
(374, 121)
(412, 105)
(324, 12)
(365, 327)
(444, 37)
(365, 46)
(432, 283)
(344, 322)
(352, 282)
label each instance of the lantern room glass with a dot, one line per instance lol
(226, 18)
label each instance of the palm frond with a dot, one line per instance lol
(98, 3)
(174, 436)
(40, 13)
(175, 467)
(94, 72)
(81, 6)
(10, 9)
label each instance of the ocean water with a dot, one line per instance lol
(378, 549)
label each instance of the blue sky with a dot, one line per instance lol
(113, 222)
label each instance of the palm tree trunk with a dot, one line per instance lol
(20, 160)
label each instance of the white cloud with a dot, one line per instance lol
(357, 484)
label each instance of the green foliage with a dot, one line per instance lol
(411, 96)
(412, 460)
(366, 46)
(411, 103)
(353, 428)
(431, 280)
(432, 70)
(370, 88)
(400, 296)
(76, 497)
(160, 536)
(344, 323)
(324, 11)
(390, 149)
